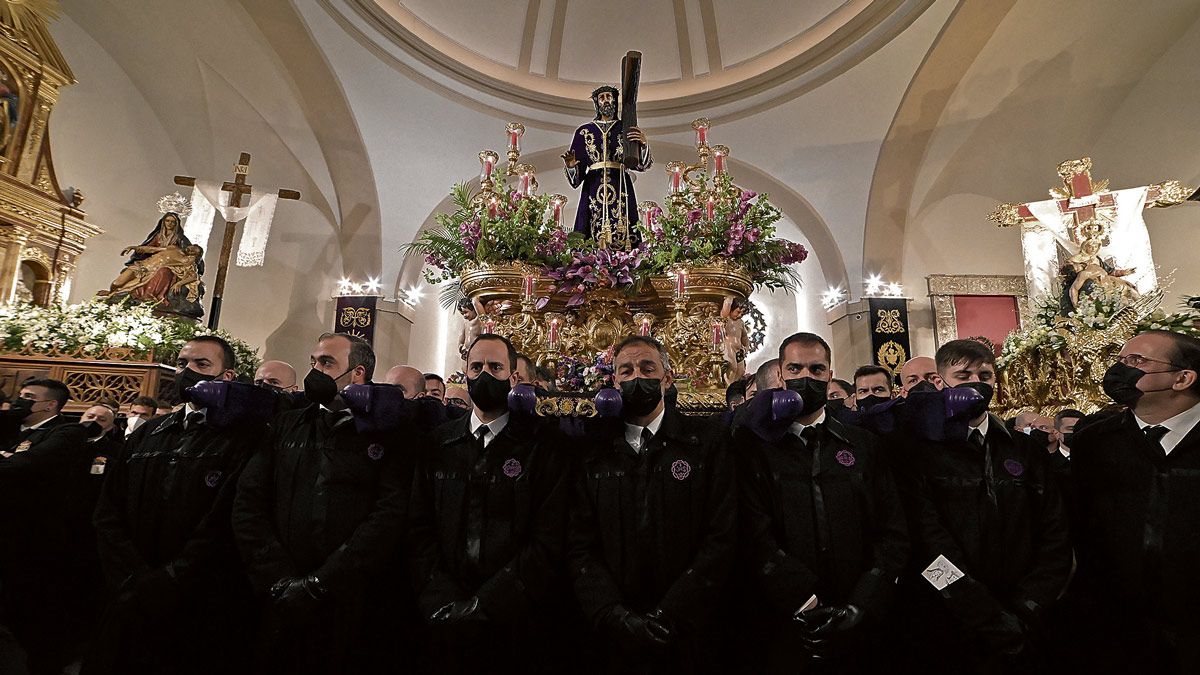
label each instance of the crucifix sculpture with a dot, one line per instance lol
(1101, 232)
(237, 188)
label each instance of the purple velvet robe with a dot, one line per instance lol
(595, 144)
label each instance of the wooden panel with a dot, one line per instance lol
(89, 381)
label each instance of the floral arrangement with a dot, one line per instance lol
(91, 328)
(742, 233)
(1094, 312)
(515, 228)
(585, 375)
(591, 268)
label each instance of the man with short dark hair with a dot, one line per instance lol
(142, 410)
(163, 524)
(735, 393)
(991, 552)
(1064, 425)
(435, 386)
(526, 370)
(872, 386)
(766, 377)
(1138, 502)
(318, 519)
(42, 473)
(822, 530)
(487, 525)
(652, 524)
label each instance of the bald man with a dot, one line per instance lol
(411, 380)
(916, 370)
(458, 398)
(276, 375)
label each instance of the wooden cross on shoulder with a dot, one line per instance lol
(237, 188)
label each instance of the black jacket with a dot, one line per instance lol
(829, 525)
(1137, 513)
(997, 515)
(323, 499)
(655, 529)
(489, 522)
(48, 586)
(320, 498)
(163, 525)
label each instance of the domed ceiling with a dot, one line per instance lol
(720, 56)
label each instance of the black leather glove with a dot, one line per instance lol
(296, 599)
(636, 633)
(459, 612)
(154, 592)
(830, 631)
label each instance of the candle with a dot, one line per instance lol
(681, 283)
(556, 203)
(644, 329)
(710, 208)
(487, 159)
(720, 152)
(493, 208)
(489, 326)
(515, 131)
(675, 176)
(523, 183)
(701, 136)
(553, 338)
(718, 335)
(528, 289)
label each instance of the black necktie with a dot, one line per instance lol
(647, 435)
(976, 438)
(481, 433)
(1155, 435)
(809, 436)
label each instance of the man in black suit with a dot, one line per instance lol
(1137, 480)
(822, 530)
(41, 470)
(181, 601)
(318, 518)
(990, 535)
(652, 525)
(487, 527)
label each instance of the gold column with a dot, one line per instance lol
(13, 242)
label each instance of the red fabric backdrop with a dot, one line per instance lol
(992, 316)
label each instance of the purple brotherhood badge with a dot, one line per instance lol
(845, 458)
(375, 451)
(680, 469)
(511, 468)
(212, 478)
(1014, 467)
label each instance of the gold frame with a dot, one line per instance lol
(944, 287)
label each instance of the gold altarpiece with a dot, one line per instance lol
(42, 229)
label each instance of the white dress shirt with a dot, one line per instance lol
(1178, 427)
(39, 425)
(633, 433)
(494, 427)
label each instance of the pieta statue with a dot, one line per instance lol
(166, 269)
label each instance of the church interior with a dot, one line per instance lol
(885, 132)
(651, 336)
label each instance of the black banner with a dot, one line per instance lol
(889, 333)
(356, 316)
